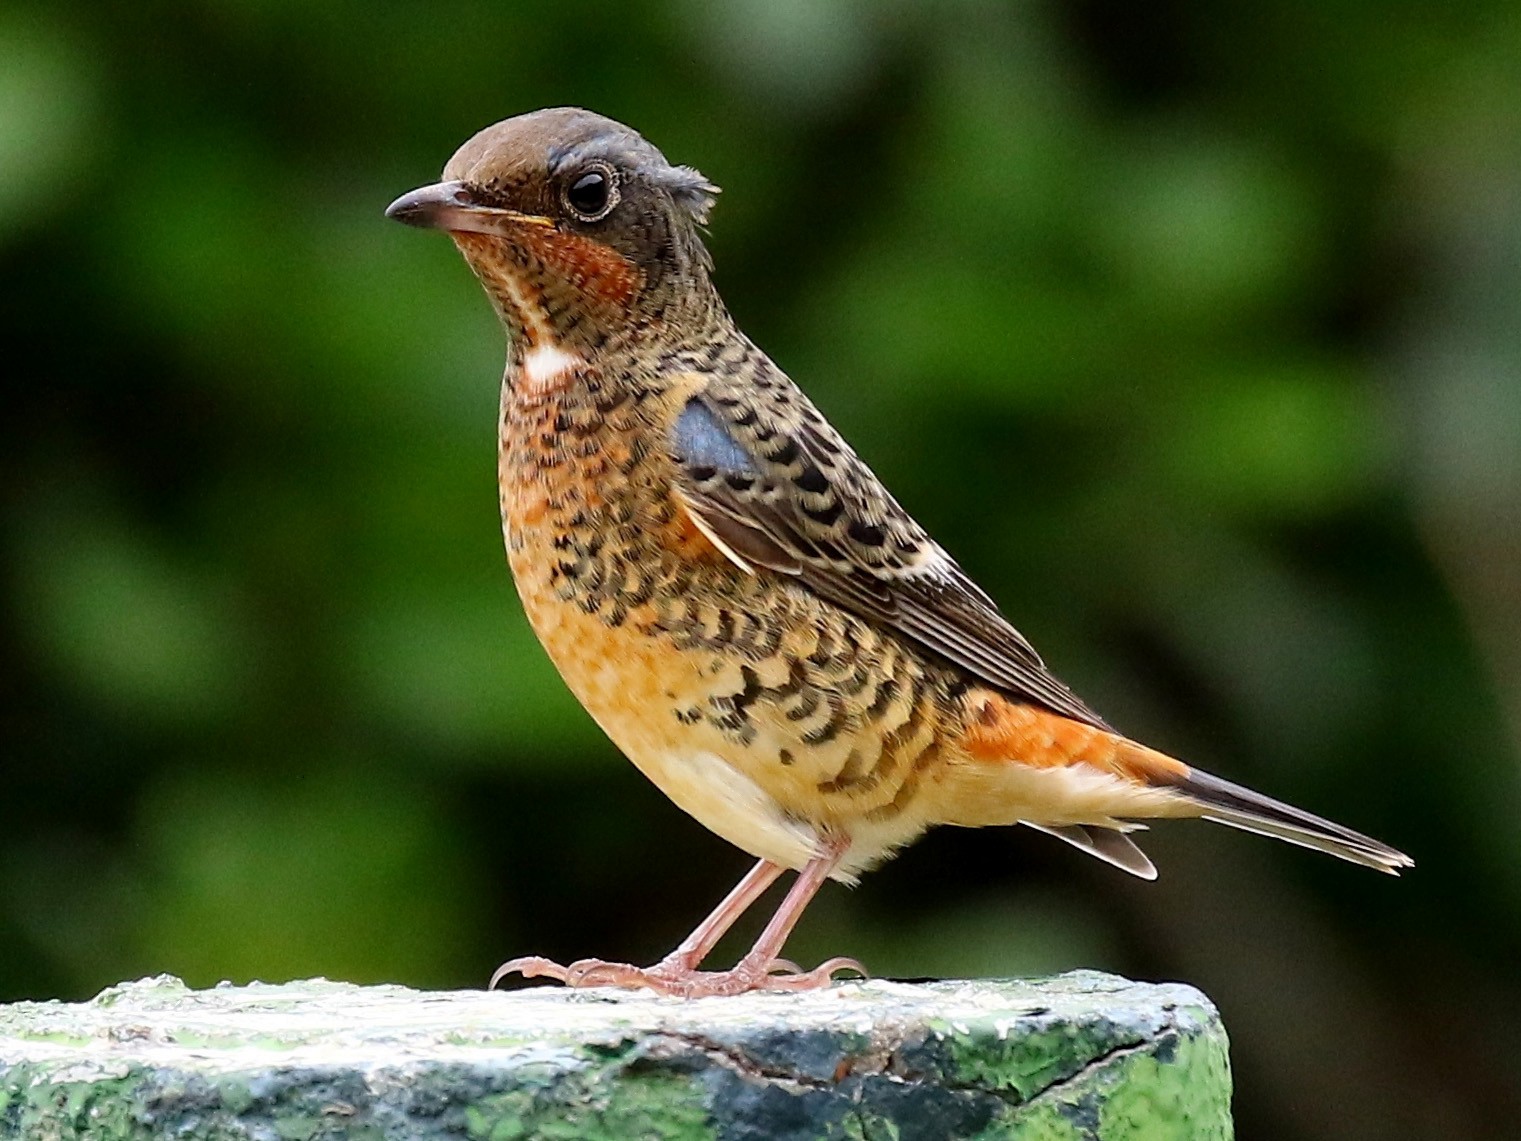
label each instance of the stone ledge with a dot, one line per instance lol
(1080, 1057)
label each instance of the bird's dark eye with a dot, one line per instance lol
(592, 194)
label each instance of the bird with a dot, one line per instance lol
(733, 595)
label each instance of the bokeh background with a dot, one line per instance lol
(1193, 330)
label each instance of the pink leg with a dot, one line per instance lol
(756, 967)
(686, 957)
(677, 973)
(695, 947)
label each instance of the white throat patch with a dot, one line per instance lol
(547, 366)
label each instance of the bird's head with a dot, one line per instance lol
(577, 227)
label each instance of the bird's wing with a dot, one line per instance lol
(766, 477)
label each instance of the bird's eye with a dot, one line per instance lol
(592, 195)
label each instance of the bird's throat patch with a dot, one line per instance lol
(591, 269)
(588, 266)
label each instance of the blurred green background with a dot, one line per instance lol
(1194, 331)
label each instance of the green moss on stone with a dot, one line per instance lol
(97, 1110)
(594, 1107)
(1171, 1089)
(1082, 1057)
(1171, 1098)
(987, 1056)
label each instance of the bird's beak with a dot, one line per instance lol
(453, 206)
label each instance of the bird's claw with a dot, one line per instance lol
(680, 979)
(795, 978)
(530, 967)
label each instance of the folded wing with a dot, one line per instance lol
(778, 488)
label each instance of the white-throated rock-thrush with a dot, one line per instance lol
(732, 594)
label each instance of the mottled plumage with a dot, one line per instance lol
(730, 591)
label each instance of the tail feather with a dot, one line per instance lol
(1238, 807)
(1109, 844)
(1139, 782)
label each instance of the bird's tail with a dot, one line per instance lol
(1021, 740)
(1227, 803)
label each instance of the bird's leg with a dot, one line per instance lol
(687, 956)
(692, 950)
(756, 969)
(677, 973)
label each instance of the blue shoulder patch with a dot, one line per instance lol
(702, 440)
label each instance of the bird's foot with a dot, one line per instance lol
(677, 977)
(784, 974)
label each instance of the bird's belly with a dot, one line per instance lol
(746, 706)
(773, 721)
(639, 688)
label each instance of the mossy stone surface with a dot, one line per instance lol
(1079, 1057)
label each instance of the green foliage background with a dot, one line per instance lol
(1193, 330)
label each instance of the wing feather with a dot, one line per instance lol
(776, 487)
